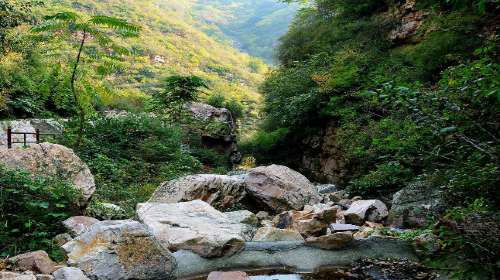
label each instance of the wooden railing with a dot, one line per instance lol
(25, 141)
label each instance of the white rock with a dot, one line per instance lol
(366, 210)
(195, 226)
(69, 273)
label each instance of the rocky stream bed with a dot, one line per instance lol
(266, 220)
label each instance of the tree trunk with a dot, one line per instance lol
(81, 110)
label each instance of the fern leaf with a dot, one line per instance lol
(63, 16)
(48, 26)
(115, 23)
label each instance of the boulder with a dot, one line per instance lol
(55, 160)
(119, 250)
(69, 273)
(413, 205)
(243, 216)
(365, 210)
(333, 241)
(78, 224)
(280, 188)
(277, 234)
(231, 275)
(28, 125)
(220, 191)
(37, 261)
(219, 131)
(312, 221)
(7, 275)
(195, 226)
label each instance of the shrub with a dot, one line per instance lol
(131, 155)
(216, 100)
(385, 179)
(31, 211)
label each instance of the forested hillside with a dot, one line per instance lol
(170, 42)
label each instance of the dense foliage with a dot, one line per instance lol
(418, 106)
(31, 211)
(130, 156)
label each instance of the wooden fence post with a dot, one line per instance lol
(9, 137)
(37, 136)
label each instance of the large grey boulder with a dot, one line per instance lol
(220, 191)
(372, 210)
(413, 205)
(52, 159)
(69, 273)
(195, 226)
(115, 250)
(280, 188)
(28, 125)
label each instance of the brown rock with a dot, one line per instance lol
(37, 261)
(232, 275)
(277, 234)
(333, 241)
(280, 188)
(364, 232)
(312, 221)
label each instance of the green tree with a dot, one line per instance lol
(179, 90)
(79, 30)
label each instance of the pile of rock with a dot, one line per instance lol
(182, 232)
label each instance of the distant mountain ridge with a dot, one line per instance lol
(253, 26)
